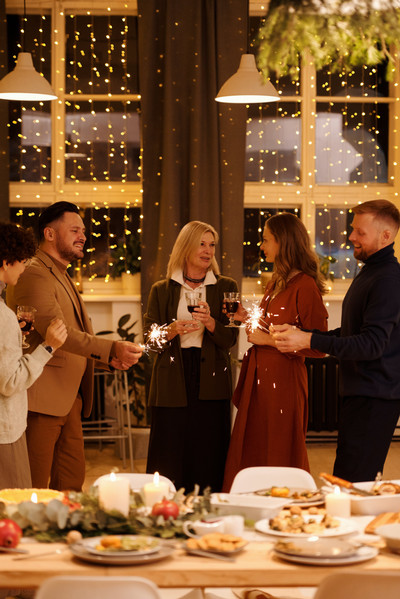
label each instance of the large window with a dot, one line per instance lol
(330, 142)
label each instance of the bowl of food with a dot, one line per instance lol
(251, 507)
(390, 533)
(385, 498)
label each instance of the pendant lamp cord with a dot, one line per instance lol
(23, 28)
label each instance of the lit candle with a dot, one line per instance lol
(338, 504)
(34, 497)
(114, 493)
(155, 491)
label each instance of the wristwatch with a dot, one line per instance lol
(48, 348)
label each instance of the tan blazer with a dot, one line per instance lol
(70, 371)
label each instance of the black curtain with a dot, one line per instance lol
(4, 156)
(194, 147)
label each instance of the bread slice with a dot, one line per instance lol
(385, 518)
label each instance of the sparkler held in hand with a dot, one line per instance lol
(156, 339)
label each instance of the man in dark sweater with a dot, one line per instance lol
(367, 345)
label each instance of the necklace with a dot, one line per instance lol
(193, 280)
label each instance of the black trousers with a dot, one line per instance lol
(366, 427)
(189, 444)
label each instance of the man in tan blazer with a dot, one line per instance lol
(65, 389)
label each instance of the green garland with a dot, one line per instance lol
(51, 522)
(342, 39)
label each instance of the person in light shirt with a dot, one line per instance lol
(191, 383)
(18, 372)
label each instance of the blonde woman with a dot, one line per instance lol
(271, 395)
(190, 387)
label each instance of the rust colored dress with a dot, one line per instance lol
(271, 394)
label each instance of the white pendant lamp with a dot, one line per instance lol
(246, 86)
(25, 83)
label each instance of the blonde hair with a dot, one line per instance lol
(295, 252)
(187, 242)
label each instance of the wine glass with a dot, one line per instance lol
(192, 300)
(26, 314)
(231, 301)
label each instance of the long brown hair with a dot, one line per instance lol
(295, 252)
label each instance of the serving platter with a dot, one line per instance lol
(346, 527)
(297, 496)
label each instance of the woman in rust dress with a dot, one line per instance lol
(271, 395)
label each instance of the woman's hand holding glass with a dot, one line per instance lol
(26, 318)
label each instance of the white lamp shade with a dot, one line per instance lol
(24, 83)
(246, 86)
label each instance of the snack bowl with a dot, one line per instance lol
(375, 504)
(251, 507)
(390, 533)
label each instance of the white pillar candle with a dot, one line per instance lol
(338, 504)
(114, 493)
(155, 491)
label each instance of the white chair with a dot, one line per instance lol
(138, 479)
(98, 587)
(263, 477)
(360, 585)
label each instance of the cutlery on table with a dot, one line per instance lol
(43, 554)
(12, 550)
(344, 484)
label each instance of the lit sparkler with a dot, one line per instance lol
(157, 338)
(254, 317)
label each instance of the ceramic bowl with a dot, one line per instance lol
(374, 505)
(391, 535)
(251, 507)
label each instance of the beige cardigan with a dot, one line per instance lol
(17, 373)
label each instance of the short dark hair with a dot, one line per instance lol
(382, 210)
(53, 213)
(16, 244)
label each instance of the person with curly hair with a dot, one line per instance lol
(18, 372)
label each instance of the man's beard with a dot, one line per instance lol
(67, 253)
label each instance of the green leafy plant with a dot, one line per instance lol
(325, 263)
(51, 522)
(126, 256)
(339, 33)
(138, 374)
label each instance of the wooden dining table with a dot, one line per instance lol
(256, 565)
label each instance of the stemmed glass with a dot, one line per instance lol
(231, 300)
(26, 314)
(192, 300)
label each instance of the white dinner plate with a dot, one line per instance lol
(316, 547)
(91, 545)
(361, 555)
(345, 528)
(80, 551)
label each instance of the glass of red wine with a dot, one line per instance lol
(26, 314)
(231, 301)
(192, 300)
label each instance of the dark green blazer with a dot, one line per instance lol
(167, 387)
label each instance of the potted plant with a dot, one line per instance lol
(138, 375)
(126, 262)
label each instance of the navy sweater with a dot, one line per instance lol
(368, 340)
